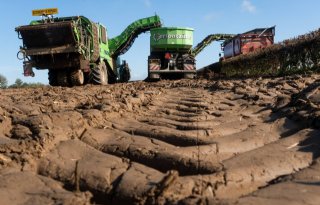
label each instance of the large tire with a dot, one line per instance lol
(52, 77)
(62, 78)
(154, 77)
(189, 76)
(76, 77)
(100, 74)
(125, 73)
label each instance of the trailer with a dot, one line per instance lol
(237, 51)
(247, 42)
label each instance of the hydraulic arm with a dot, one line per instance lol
(208, 40)
(120, 44)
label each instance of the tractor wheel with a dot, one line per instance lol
(125, 73)
(62, 78)
(189, 76)
(154, 77)
(52, 77)
(76, 77)
(100, 74)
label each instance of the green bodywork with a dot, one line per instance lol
(78, 36)
(181, 39)
(171, 52)
(120, 44)
(208, 40)
(171, 38)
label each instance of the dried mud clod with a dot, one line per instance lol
(235, 141)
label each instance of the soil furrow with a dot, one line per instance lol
(235, 141)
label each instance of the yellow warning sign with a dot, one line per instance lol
(40, 12)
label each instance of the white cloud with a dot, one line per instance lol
(147, 3)
(208, 17)
(248, 6)
(211, 17)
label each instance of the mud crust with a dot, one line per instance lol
(76, 77)
(238, 141)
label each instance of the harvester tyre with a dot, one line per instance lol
(189, 76)
(100, 74)
(62, 78)
(76, 77)
(125, 74)
(154, 76)
(52, 77)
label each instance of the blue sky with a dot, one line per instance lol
(291, 17)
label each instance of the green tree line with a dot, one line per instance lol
(17, 84)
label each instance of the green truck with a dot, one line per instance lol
(170, 55)
(77, 51)
(171, 52)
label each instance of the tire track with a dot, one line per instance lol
(184, 142)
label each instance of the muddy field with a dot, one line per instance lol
(242, 141)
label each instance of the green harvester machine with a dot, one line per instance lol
(171, 52)
(77, 51)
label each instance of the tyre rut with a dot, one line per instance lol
(183, 142)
